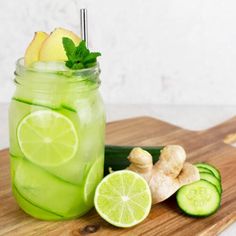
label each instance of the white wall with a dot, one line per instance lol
(165, 52)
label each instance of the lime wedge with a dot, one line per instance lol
(47, 138)
(94, 176)
(123, 199)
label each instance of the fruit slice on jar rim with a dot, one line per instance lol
(47, 138)
(123, 198)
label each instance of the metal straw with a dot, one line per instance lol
(84, 25)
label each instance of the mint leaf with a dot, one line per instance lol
(92, 57)
(92, 64)
(81, 51)
(79, 57)
(78, 66)
(69, 64)
(70, 48)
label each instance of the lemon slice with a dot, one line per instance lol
(47, 138)
(123, 198)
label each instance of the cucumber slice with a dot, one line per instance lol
(213, 169)
(46, 106)
(212, 179)
(204, 170)
(198, 199)
(47, 191)
(34, 210)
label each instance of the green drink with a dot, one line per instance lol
(57, 126)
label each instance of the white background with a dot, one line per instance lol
(154, 52)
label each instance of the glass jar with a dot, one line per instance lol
(57, 124)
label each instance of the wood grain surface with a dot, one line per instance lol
(165, 218)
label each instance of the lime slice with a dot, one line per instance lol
(94, 176)
(123, 199)
(47, 138)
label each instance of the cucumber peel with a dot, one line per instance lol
(205, 170)
(210, 167)
(212, 179)
(116, 156)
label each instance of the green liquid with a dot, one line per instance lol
(63, 191)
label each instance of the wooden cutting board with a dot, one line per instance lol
(165, 218)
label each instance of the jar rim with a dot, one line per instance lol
(77, 80)
(22, 67)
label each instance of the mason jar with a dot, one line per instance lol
(57, 124)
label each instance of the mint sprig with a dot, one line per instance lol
(79, 57)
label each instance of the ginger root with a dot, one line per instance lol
(167, 175)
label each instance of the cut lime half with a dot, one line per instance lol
(123, 198)
(47, 138)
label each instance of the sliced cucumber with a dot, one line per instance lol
(43, 104)
(116, 156)
(47, 191)
(199, 199)
(204, 170)
(34, 210)
(213, 169)
(212, 179)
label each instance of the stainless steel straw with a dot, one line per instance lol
(84, 25)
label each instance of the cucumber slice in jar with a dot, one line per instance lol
(213, 169)
(48, 192)
(34, 210)
(199, 199)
